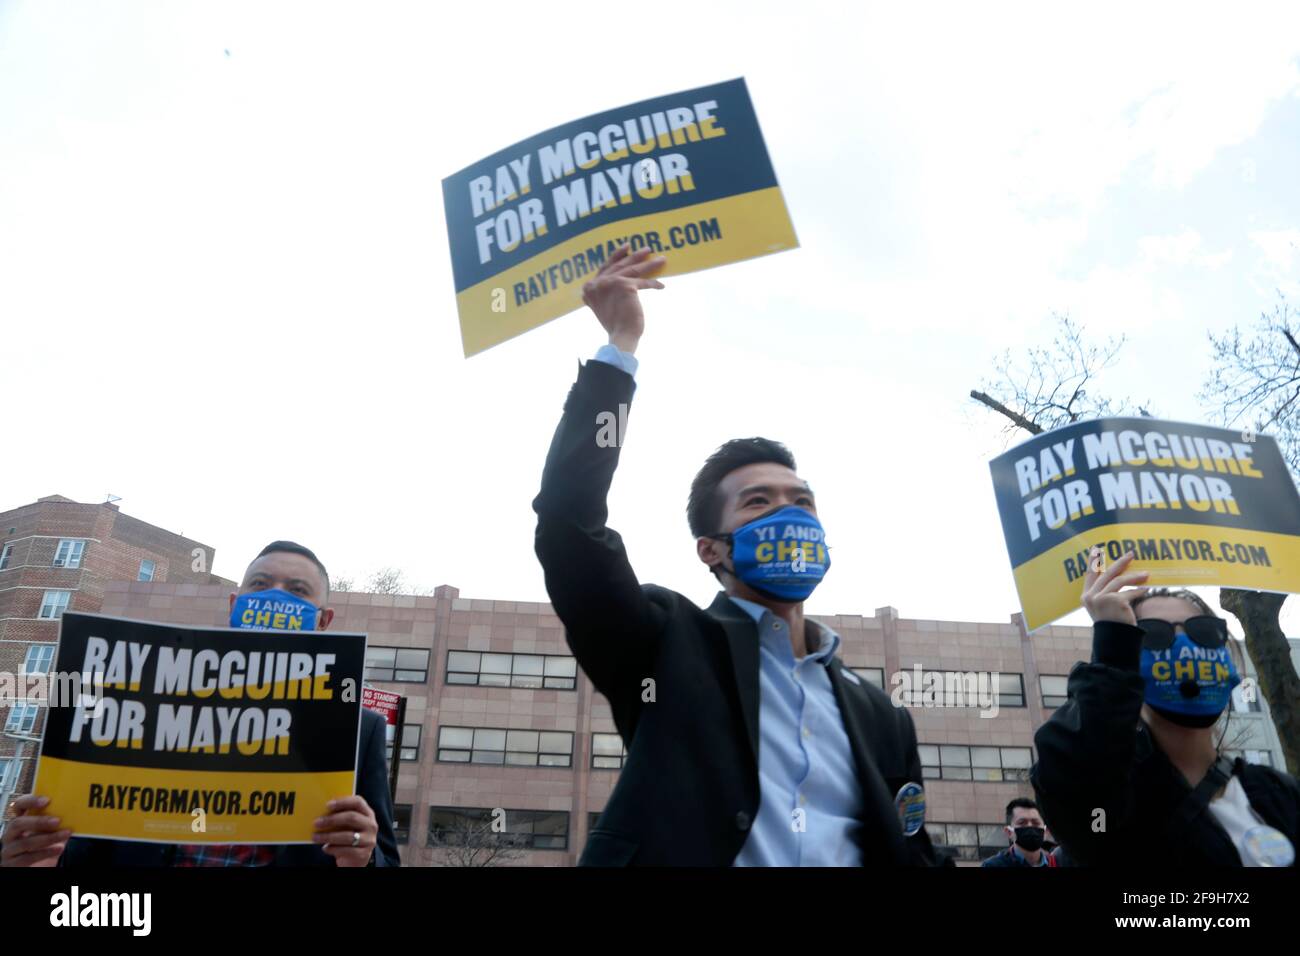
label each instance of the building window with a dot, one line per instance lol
(872, 675)
(508, 748)
(410, 743)
(402, 823)
(54, 604)
(980, 764)
(38, 659)
(607, 752)
(397, 665)
(993, 839)
(4, 771)
(69, 553)
(1011, 690)
(22, 718)
(972, 841)
(4, 556)
(536, 671)
(483, 826)
(146, 570)
(1053, 690)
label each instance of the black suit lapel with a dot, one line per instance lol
(879, 843)
(742, 639)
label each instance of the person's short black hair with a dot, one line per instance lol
(293, 547)
(704, 509)
(1023, 802)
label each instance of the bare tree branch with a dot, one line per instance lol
(997, 406)
(393, 581)
(1256, 379)
(1291, 338)
(472, 840)
(1028, 395)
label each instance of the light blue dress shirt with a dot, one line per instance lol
(810, 800)
(615, 356)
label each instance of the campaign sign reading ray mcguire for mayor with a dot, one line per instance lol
(687, 175)
(249, 732)
(1197, 505)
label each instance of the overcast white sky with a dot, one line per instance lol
(226, 294)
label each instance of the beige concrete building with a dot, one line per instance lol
(499, 716)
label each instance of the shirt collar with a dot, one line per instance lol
(828, 641)
(1042, 858)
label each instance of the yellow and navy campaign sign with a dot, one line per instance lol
(685, 175)
(1197, 505)
(200, 735)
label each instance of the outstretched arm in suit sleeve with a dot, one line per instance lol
(610, 624)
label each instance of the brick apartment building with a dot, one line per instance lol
(56, 554)
(499, 715)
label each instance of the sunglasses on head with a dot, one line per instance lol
(1205, 629)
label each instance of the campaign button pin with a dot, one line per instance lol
(911, 808)
(1264, 846)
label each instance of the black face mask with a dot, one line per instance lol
(1030, 838)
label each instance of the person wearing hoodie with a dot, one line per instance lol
(1131, 760)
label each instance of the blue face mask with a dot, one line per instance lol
(782, 555)
(1187, 683)
(273, 610)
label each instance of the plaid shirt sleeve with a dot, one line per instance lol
(220, 854)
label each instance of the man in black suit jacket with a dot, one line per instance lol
(355, 830)
(717, 707)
